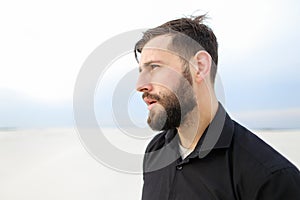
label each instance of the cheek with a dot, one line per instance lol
(168, 99)
(168, 79)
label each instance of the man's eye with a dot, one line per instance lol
(154, 66)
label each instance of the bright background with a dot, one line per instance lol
(43, 45)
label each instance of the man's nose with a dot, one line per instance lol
(144, 84)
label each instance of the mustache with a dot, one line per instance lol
(151, 96)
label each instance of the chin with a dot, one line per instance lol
(157, 120)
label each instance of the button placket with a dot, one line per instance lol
(179, 167)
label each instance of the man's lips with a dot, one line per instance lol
(150, 102)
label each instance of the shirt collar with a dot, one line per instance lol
(217, 135)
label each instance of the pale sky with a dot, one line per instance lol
(43, 45)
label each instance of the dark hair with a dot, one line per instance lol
(185, 32)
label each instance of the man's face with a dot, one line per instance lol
(166, 91)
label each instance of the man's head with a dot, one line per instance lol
(189, 35)
(165, 66)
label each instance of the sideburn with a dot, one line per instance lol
(187, 72)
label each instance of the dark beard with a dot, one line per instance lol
(174, 111)
(169, 118)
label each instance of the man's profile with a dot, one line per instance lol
(200, 152)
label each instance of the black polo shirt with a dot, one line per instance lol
(229, 162)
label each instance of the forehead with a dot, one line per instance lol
(159, 42)
(158, 48)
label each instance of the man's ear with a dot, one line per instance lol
(202, 64)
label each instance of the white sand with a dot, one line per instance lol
(53, 164)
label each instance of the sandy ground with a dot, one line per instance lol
(53, 164)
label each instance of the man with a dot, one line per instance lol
(200, 153)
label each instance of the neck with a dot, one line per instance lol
(196, 121)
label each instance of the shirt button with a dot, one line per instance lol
(179, 167)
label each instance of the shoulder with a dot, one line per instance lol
(282, 184)
(255, 163)
(251, 149)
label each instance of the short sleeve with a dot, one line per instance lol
(282, 184)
